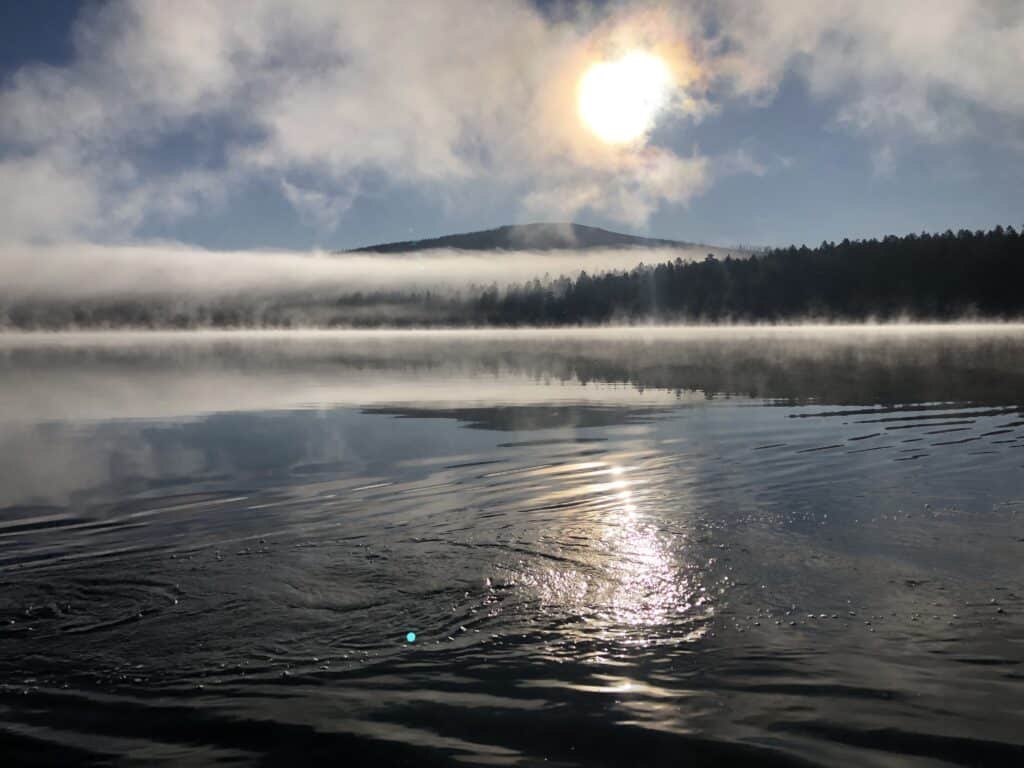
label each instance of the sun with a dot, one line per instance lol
(619, 100)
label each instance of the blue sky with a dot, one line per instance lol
(803, 125)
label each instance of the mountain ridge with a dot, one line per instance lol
(537, 236)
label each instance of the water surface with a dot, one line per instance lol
(645, 546)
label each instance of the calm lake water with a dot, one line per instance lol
(637, 547)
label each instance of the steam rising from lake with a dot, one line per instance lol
(124, 374)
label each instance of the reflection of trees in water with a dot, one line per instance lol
(512, 418)
(855, 367)
(844, 374)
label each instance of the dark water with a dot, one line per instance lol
(615, 548)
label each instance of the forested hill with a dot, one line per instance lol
(528, 237)
(923, 277)
(952, 275)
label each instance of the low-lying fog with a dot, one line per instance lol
(97, 271)
(124, 374)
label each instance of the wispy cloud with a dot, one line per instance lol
(929, 69)
(427, 94)
(320, 209)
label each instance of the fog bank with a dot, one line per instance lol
(87, 271)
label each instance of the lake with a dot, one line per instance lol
(644, 546)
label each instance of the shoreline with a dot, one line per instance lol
(986, 327)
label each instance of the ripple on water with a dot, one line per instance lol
(727, 580)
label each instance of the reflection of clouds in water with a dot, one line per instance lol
(54, 463)
(139, 436)
(89, 393)
(87, 464)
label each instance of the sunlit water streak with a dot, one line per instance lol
(770, 545)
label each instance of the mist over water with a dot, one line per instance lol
(185, 373)
(149, 286)
(84, 271)
(782, 545)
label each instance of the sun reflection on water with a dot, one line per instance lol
(626, 581)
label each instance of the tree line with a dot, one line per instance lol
(928, 277)
(925, 277)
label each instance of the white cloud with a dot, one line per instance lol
(428, 94)
(438, 95)
(45, 197)
(917, 67)
(742, 161)
(630, 192)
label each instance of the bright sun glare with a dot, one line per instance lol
(619, 100)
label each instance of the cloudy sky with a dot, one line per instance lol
(297, 124)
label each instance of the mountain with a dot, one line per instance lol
(528, 237)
